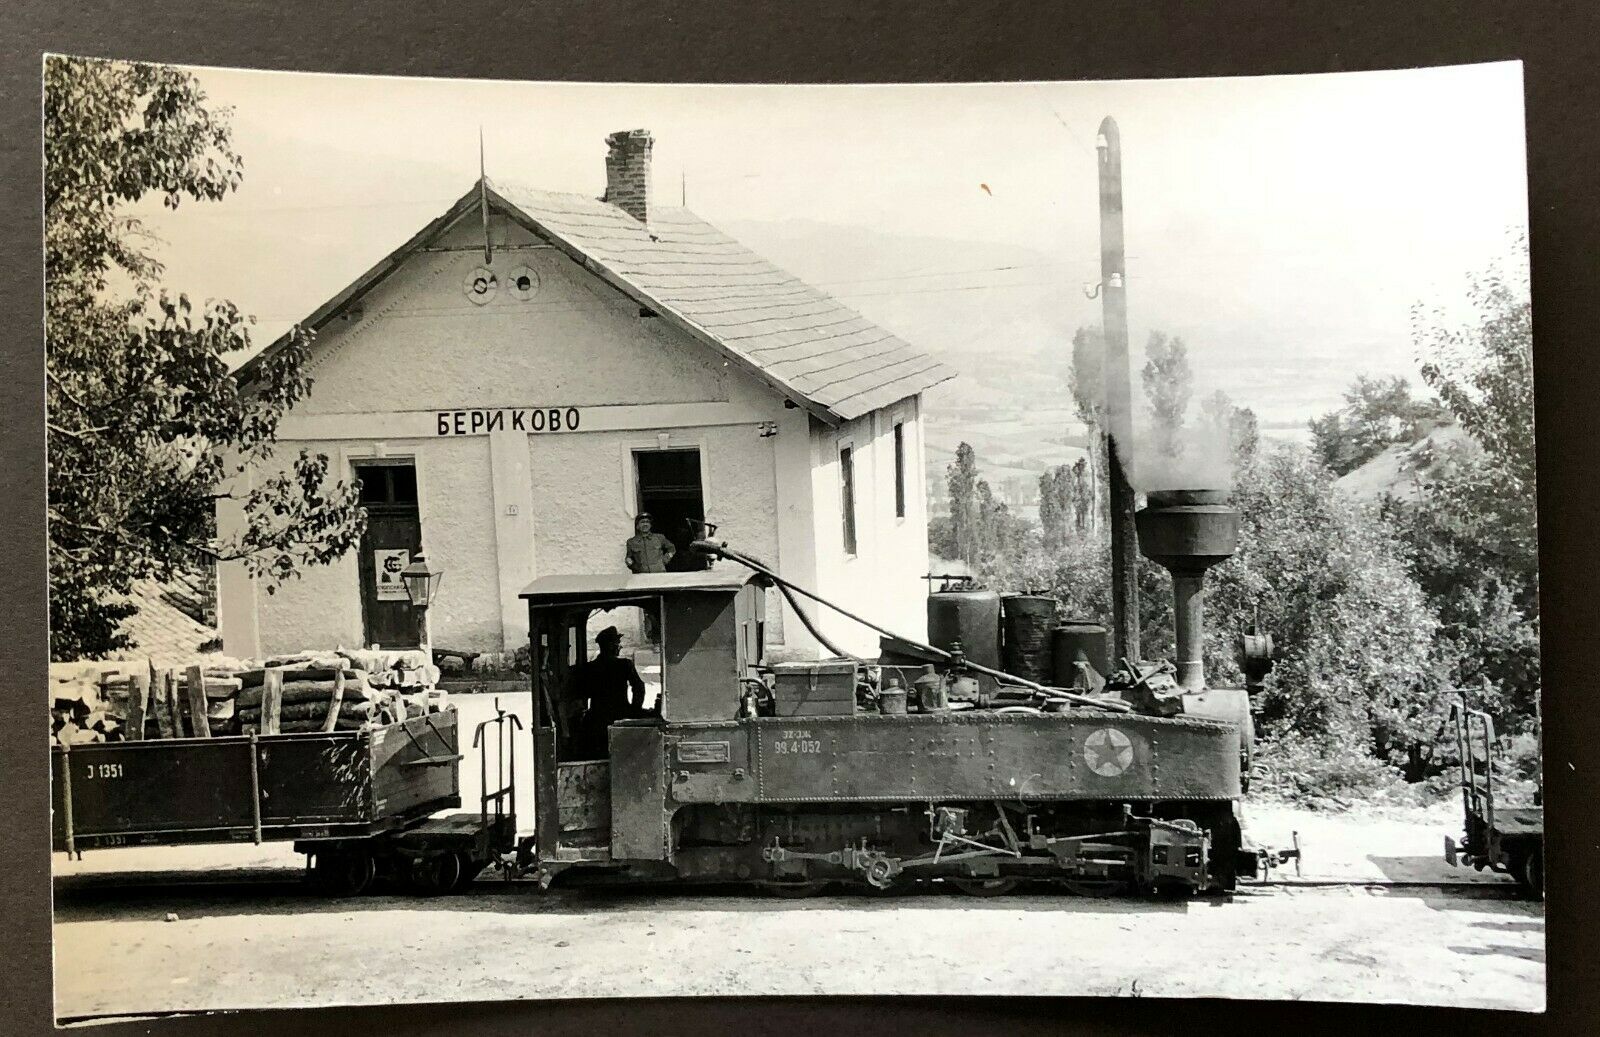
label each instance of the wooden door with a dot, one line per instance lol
(393, 536)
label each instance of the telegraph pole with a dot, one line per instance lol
(1119, 397)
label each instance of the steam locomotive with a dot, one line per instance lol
(929, 763)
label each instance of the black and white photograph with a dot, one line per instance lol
(560, 540)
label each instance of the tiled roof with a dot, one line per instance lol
(806, 345)
(787, 331)
(160, 631)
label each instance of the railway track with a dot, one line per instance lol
(282, 881)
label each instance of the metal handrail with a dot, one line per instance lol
(504, 798)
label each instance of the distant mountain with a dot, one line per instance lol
(1002, 315)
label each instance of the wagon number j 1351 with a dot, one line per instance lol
(103, 770)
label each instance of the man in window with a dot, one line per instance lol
(648, 551)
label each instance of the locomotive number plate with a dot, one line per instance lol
(794, 742)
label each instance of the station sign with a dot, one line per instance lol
(480, 421)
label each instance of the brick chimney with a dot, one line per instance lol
(628, 172)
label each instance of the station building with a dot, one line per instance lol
(532, 369)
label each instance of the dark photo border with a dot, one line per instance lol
(854, 41)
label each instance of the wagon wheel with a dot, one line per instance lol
(470, 870)
(985, 887)
(343, 873)
(434, 874)
(1529, 872)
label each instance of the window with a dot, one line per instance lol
(899, 469)
(669, 488)
(847, 497)
(387, 482)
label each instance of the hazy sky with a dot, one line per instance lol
(1284, 226)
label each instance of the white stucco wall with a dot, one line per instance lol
(421, 344)
(498, 509)
(882, 581)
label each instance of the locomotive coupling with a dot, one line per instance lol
(1264, 859)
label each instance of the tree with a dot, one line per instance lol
(146, 428)
(1472, 535)
(1082, 495)
(1061, 491)
(1229, 428)
(1168, 384)
(1086, 381)
(961, 477)
(1482, 371)
(1377, 413)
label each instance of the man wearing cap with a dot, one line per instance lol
(648, 551)
(612, 690)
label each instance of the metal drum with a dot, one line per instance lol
(971, 617)
(1027, 620)
(1078, 641)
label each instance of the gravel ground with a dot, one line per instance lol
(229, 927)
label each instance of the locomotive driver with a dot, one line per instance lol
(612, 690)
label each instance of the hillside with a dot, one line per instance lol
(1405, 468)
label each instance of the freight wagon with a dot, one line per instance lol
(359, 803)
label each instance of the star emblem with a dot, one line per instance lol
(1108, 752)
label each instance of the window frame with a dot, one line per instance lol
(847, 499)
(900, 469)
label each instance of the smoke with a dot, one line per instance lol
(1164, 440)
(1196, 452)
(1200, 459)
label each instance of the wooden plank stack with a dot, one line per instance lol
(133, 701)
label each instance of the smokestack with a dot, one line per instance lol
(1119, 397)
(628, 172)
(1188, 531)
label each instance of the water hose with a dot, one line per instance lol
(716, 549)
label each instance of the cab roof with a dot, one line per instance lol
(726, 580)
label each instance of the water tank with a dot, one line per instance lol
(1074, 641)
(969, 616)
(1026, 622)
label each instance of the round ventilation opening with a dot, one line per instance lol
(480, 285)
(522, 283)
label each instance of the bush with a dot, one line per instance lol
(1323, 772)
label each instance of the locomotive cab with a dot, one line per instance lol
(596, 791)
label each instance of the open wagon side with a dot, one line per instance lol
(358, 803)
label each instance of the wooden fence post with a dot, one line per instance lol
(195, 687)
(271, 700)
(336, 703)
(161, 696)
(138, 695)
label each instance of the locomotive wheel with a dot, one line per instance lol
(985, 887)
(343, 873)
(434, 874)
(792, 889)
(1094, 887)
